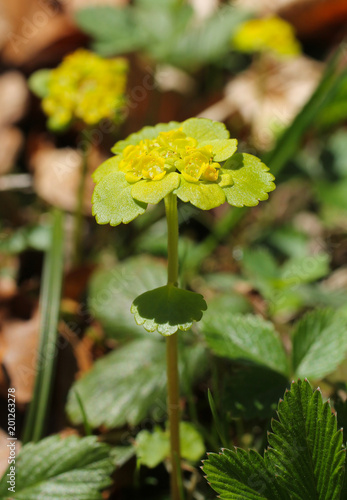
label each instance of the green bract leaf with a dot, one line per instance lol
(59, 469)
(149, 191)
(112, 291)
(168, 309)
(205, 130)
(252, 181)
(319, 343)
(38, 82)
(112, 201)
(109, 166)
(304, 460)
(202, 195)
(221, 149)
(247, 337)
(153, 447)
(144, 133)
(129, 383)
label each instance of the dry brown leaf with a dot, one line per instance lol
(4, 451)
(13, 97)
(264, 7)
(11, 140)
(8, 287)
(57, 176)
(18, 351)
(268, 97)
(36, 26)
(316, 17)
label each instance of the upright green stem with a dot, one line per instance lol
(172, 351)
(78, 226)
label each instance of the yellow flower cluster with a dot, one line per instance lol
(170, 151)
(86, 87)
(271, 34)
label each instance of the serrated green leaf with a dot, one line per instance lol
(304, 269)
(144, 133)
(319, 343)
(112, 201)
(123, 386)
(204, 130)
(112, 291)
(59, 469)
(238, 475)
(222, 149)
(107, 167)
(168, 309)
(200, 194)
(304, 460)
(38, 82)
(252, 180)
(305, 447)
(129, 384)
(149, 191)
(248, 338)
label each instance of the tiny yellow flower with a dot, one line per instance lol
(271, 34)
(86, 87)
(195, 160)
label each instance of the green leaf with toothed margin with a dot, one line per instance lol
(128, 384)
(60, 469)
(112, 201)
(149, 191)
(204, 130)
(304, 460)
(168, 309)
(319, 343)
(252, 180)
(238, 474)
(144, 133)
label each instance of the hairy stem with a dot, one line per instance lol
(172, 351)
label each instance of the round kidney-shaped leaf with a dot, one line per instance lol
(168, 309)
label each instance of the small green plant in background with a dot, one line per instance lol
(82, 91)
(194, 161)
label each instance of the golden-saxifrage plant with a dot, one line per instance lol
(82, 91)
(195, 161)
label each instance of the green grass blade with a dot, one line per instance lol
(217, 422)
(290, 141)
(49, 306)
